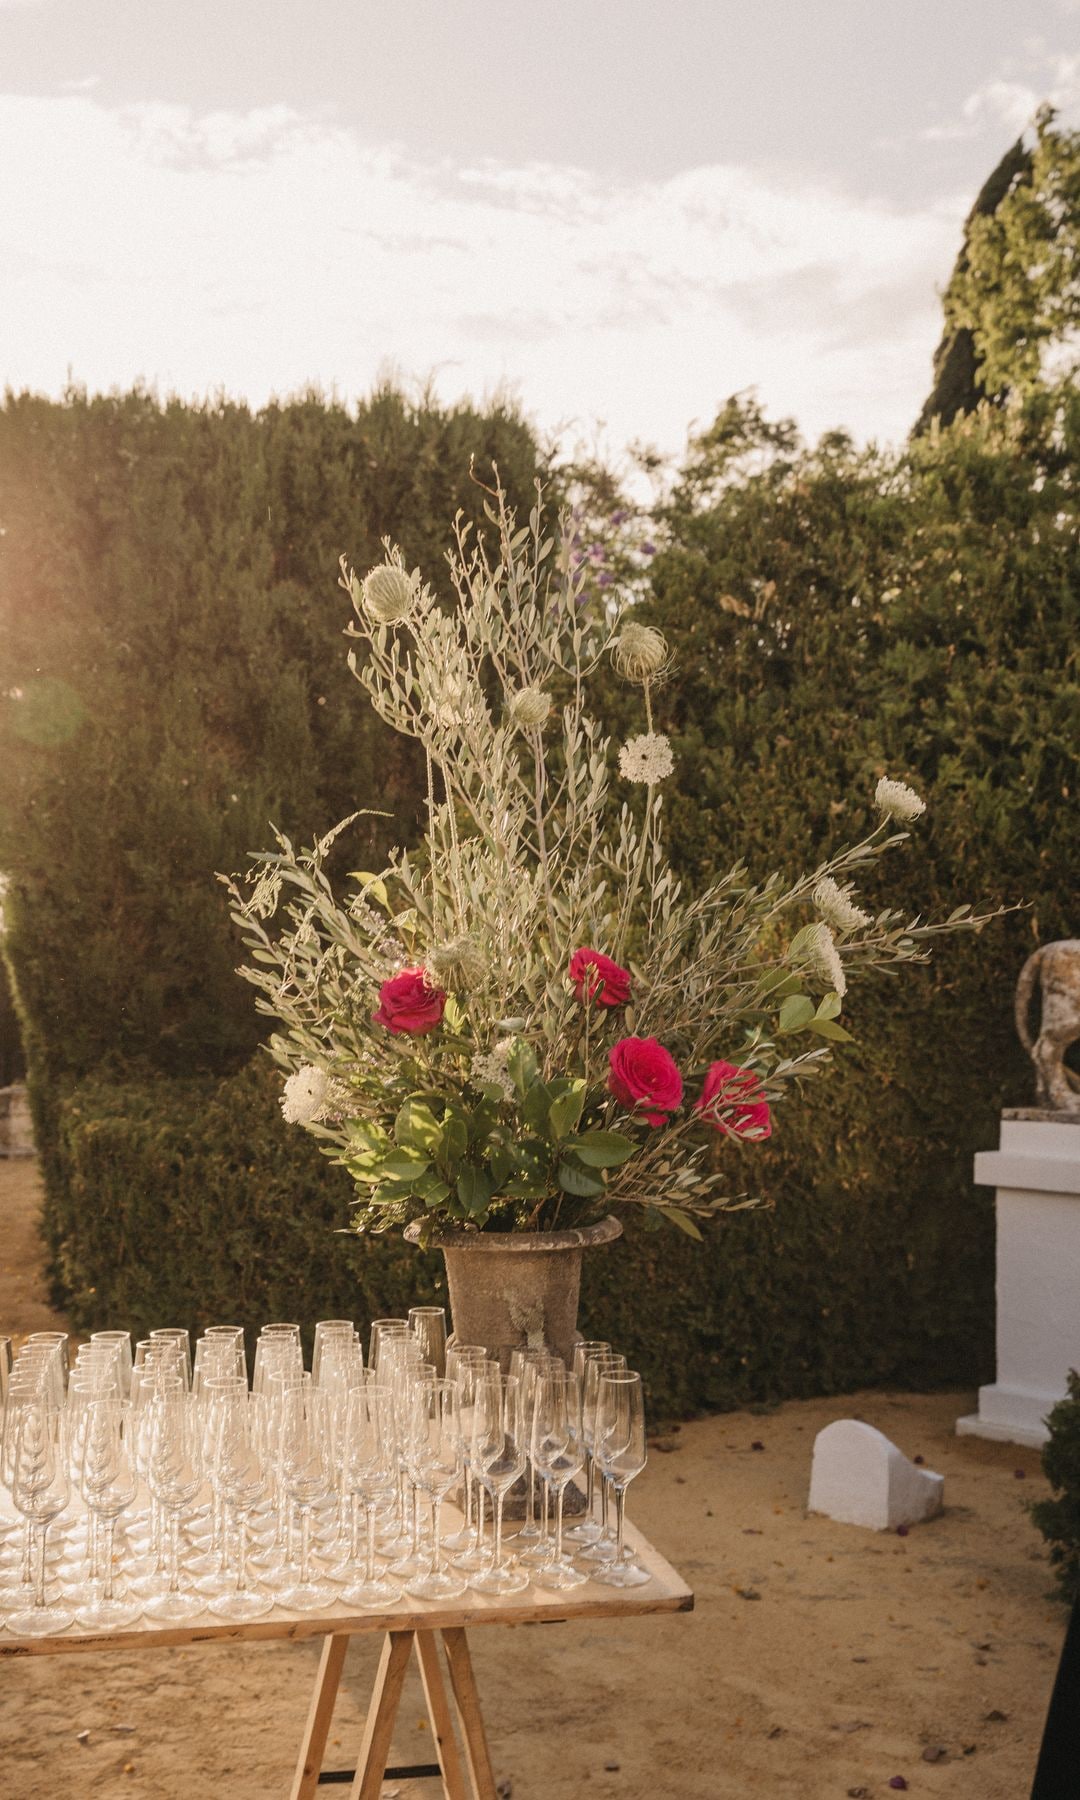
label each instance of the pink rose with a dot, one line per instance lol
(643, 1078)
(595, 974)
(735, 1093)
(408, 1005)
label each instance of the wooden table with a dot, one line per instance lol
(463, 1759)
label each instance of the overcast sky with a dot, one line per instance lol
(621, 210)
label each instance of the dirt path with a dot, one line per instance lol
(821, 1660)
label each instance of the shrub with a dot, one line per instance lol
(1059, 1519)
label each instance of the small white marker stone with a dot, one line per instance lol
(859, 1477)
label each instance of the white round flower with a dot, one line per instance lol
(305, 1096)
(823, 958)
(646, 758)
(835, 905)
(897, 801)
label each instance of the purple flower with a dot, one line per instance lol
(648, 548)
(897, 1781)
(596, 552)
(618, 518)
(605, 578)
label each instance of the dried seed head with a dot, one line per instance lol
(640, 653)
(530, 708)
(389, 594)
(458, 964)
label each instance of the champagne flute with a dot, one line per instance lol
(174, 1476)
(428, 1326)
(306, 1466)
(240, 1474)
(558, 1448)
(369, 1469)
(108, 1481)
(596, 1539)
(622, 1454)
(433, 1453)
(499, 1452)
(466, 1545)
(39, 1491)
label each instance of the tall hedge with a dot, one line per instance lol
(172, 678)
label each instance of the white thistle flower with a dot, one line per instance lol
(835, 905)
(820, 953)
(646, 758)
(305, 1096)
(640, 652)
(897, 800)
(529, 708)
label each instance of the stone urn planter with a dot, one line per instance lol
(516, 1287)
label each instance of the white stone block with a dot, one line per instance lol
(859, 1477)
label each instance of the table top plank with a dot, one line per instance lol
(665, 1593)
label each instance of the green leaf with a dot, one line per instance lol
(404, 1165)
(417, 1127)
(373, 885)
(474, 1189)
(455, 1140)
(778, 983)
(683, 1221)
(535, 1106)
(573, 1180)
(796, 1013)
(829, 1007)
(828, 1028)
(601, 1149)
(565, 1110)
(523, 1066)
(501, 1162)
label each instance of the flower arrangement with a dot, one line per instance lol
(526, 1019)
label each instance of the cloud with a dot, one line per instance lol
(266, 250)
(1013, 104)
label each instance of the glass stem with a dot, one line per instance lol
(436, 1526)
(28, 1555)
(545, 1515)
(174, 1551)
(305, 1545)
(498, 1527)
(480, 1491)
(468, 1501)
(371, 1510)
(620, 1517)
(590, 1485)
(354, 1529)
(241, 1552)
(604, 1491)
(416, 1521)
(530, 1502)
(558, 1522)
(109, 1526)
(39, 1570)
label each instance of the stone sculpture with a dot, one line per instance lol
(1056, 969)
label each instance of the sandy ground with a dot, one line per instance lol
(821, 1660)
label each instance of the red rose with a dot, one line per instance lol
(730, 1101)
(408, 1004)
(643, 1078)
(595, 975)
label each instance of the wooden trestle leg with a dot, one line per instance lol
(382, 1712)
(321, 1711)
(463, 1682)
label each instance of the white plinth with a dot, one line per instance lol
(1036, 1173)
